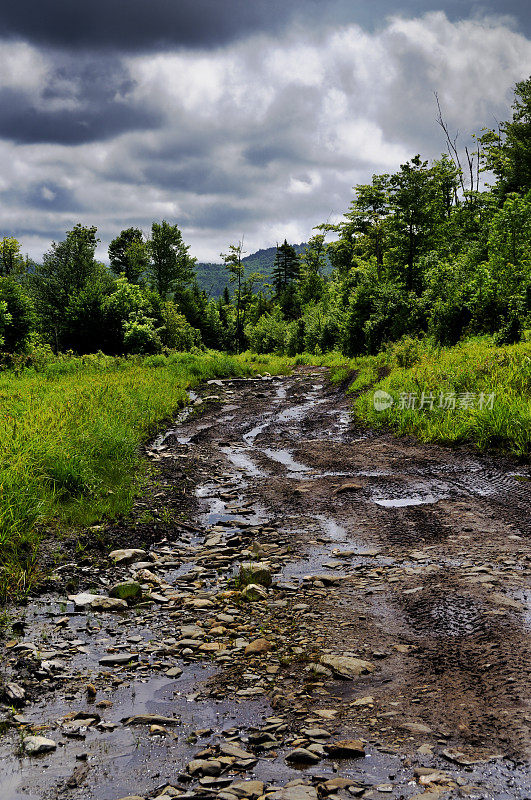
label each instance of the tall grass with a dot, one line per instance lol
(473, 368)
(70, 436)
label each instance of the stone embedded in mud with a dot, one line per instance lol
(15, 693)
(108, 604)
(250, 789)
(302, 755)
(128, 590)
(127, 556)
(83, 599)
(35, 745)
(346, 666)
(253, 592)
(416, 727)
(258, 646)
(118, 659)
(200, 766)
(229, 749)
(348, 487)
(347, 748)
(256, 572)
(297, 792)
(150, 719)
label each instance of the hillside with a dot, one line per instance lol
(212, 277)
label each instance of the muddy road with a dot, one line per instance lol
(375, 642)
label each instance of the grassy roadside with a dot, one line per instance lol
(70, 436)
(491, 386)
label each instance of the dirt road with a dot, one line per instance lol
(393, 618)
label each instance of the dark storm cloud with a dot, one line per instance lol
(141, 25)
(79, 100)
(22, 122)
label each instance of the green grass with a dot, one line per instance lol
(70, 436)
(473, 367)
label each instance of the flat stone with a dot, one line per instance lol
(299, 792)
(301, 755)
(118, 659)
(200, 766)
(346, 666)
(35, 745)
(229, 749)
(127, 555)
(150, 719)
(108, 604)
(346, 748)
(416, 727)
(252, 789)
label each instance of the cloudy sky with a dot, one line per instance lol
(234, 117)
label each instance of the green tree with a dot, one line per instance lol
(285, 268)
(21, 323)
(128, 254)
(507, 151)
(312, 266)
(171, 266)
(11, 259)
(236, 270)
(66, 268)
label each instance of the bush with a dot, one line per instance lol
(268, 335)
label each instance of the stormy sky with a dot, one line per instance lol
(234, 117)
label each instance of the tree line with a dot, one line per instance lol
(426, 250)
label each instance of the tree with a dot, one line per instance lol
(368, 215)
(21, 313)
(312, 265)
(11, 259)
(171, 267)
(507, 151)
(286, 267)
(66, 268)
(236, 270)
(128, 254)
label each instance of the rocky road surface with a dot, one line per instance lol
(298, 609)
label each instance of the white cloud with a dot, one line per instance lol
(265, 137)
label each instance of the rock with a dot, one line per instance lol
(128, 590)
(35, 745)
(174, 672)
(108, 604)
(298, 792)
(127, 556)
(258, 646)
(316, 733)
(252, 789)
(416, 727)
(83, 599)
(150, 719)
(118, 659)
(346, 748)
(336, 783)
(253, 592)
(15, 693)
(301, 755)
(346, 666)
(132, 797)
(201, 766)
(256, 572)
(229, 749)
(348, 487)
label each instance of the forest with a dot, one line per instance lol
(438, 250)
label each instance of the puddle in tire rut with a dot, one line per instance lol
(343, 581)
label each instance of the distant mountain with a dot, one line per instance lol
(213, 278)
